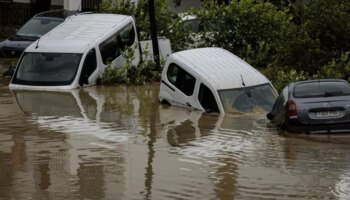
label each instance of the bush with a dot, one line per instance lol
(288, 40)
(282, 77)
(252, 31)
(130, 74)
(168, 24)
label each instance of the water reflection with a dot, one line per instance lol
(120, 143)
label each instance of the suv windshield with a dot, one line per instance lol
(321, 89)
(38, 27)
(248, 99)
(47, 69)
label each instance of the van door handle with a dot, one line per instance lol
(188, 104)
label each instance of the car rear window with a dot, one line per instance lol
(321, 89)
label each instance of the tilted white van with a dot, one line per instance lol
(76, 52)
(214, 80)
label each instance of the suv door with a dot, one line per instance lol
(183, 85)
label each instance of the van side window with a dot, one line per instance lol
(181, 79)
(109, 50)
(89, 66)
(118, 42)
(207, 99)
(127, 36)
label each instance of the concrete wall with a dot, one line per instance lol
(24, 1)
(72, 4)
(57, 2)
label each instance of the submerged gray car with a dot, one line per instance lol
(313, 106)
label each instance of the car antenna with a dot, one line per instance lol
(37, 44)
(242, 80)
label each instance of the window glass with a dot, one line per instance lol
(127, 36)
(281, 100)
(248, 99)
(109, 50)
(113, 46)
(321, 89)
(90, 65)
(181, 79)
(193, 25)
(207, 99)
(47, 68)
(38, 27)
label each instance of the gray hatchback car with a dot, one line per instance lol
(313, 106)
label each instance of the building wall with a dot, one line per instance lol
(57, 2)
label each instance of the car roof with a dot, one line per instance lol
(320, 80)
(220, 68)
(293, 84)
(79, 32)
(62, 14)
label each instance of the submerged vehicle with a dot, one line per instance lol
(32, 30)
(313, 106)
(214, 80)
(77, 52)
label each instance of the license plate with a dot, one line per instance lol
(327, 114)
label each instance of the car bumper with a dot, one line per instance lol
(322, 128)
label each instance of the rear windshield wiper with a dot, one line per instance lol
(328, 94)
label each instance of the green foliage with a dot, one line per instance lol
(335, 69)
(128, 73)
(283, 77)
(288, 40)
(320, 34)
(168, 25)
(245, 28)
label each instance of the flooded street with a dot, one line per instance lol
(120, 143)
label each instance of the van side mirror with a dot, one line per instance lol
(269, 116)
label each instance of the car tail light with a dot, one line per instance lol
(291, 109)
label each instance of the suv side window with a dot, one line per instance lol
(207, 99)
(181, 79)
(89, 66)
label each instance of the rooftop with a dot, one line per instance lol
(220, 68)
(78, 32)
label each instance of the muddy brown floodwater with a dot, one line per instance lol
(120, 143)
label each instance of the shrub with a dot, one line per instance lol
(128, 73)
(252, 31)
(168, 24)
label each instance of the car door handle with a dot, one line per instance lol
(188, 104)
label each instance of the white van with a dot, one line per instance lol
(214, 80)
(76, 52)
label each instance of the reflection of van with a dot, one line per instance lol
(213, 79)
(76, 52)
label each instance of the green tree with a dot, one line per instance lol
(168, 24)
(251, 30)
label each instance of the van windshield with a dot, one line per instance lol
(248, 99)
(47, 69)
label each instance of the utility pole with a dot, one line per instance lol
(154, 36)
